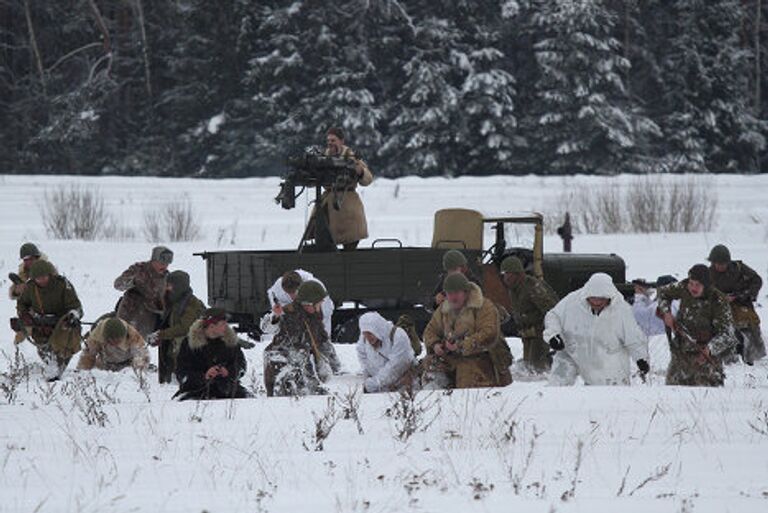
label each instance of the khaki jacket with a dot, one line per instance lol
(131, 351)
(348, 224)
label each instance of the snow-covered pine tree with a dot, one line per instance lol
(311, 69)
(585, 121)
(489, 139)
(423, 126)
(705, 112)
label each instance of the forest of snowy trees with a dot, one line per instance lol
(424, 87)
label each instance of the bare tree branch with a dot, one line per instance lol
(35, 48)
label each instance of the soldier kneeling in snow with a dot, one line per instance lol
(49, 313)
(283, 292)
(465, 346)
(385, 354)
(210, 362)
(113, 345)
(293, 362)
(595, 334)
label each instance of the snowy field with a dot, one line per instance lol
(108, 442)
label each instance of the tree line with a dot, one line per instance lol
(423, 87)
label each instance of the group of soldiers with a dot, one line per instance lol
(709, 319)
(157, 308)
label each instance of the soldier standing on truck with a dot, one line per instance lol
(347, 225)
(741, 285)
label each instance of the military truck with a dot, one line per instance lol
(392, 278)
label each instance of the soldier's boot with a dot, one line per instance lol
(537, 357)
(165, 361)
(751, 345)
(53, 365)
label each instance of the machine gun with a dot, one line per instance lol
(314, 169)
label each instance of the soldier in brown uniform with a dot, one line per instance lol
(348, 225)
(702, 332)
(29, 254)
(144, 286)
(49, 312)
(464, 339)
(741, 285)
(454, 262)
(113, 345)
(293, 362)
(531, 299)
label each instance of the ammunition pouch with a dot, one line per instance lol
(65, 340)
(744, 316)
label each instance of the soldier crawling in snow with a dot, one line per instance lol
(49, 313)
(144, 286)
(113, 345)
(293, 362)
(701, 333)
(741, 285)
(29, 254)
(283, 292)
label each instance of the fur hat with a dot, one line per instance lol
(162, 254)
(700, 273)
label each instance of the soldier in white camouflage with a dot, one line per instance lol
(701, 333)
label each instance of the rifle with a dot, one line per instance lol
(15, 278)
(693, 345)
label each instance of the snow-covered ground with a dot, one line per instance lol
(526, 447)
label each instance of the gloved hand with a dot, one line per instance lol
(72, 318)
(643, 367)
(557, 343)
(153, 338)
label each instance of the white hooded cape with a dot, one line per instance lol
(384, 366)
(601, 348)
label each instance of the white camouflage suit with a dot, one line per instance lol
(597, 347)
(383, 367)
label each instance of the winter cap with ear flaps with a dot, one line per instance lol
(310, 293)
(114, 329)
(512, 264)
(41, 268)
(700, 273)
(453, 259)
(162, 254)
(456, 283)
(28, 250)
(213, 316)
